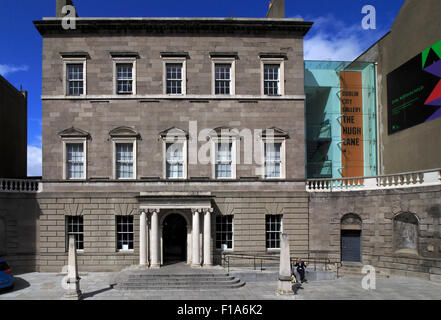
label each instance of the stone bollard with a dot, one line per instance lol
(73, 280)
(284, 286)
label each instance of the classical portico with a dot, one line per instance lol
(158, 207)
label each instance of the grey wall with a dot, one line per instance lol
(415, 29)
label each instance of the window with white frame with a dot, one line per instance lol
(273, 227)
(124, 78)
(174, 78)
(224, 232)
(74, 225)
(271, 79)
(222, 78)
(124, 160)
(75, 79)
(75, 160)
(124, 233)
(273, 152)
(175, 160)
(224, 164)
(224, 159)
(273, 76)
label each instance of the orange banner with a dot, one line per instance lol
(352, 124)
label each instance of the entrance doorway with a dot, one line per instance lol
(174, 235)
(351, 245)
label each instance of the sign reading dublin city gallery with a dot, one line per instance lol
(352, 124)
(414, 90)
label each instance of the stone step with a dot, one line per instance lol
(179, 282)
(204, 286)
(145, 279)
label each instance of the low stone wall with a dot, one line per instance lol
(379, 237)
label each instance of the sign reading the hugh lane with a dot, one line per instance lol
(352, 124)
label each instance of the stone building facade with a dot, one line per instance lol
(143, 84)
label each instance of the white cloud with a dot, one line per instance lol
(8, 68)
(333, 39)
(34, 161)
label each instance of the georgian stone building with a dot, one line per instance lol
(171, 139)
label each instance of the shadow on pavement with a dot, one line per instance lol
(19, 284)
(93, 293)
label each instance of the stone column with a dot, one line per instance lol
(207, 238)
(154, 239)
(73, 291)
(143, 238)
(195, 262)
(284, 286)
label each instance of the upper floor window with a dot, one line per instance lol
(75, 161)
(75, 73)
(74, 153)
(174, 78)
(124, 140)
(223, 68)
(175, 161)
(224, 160)
(124, 78)
(175, 153)
(223, 152)
(271, 81)
(75, 79)
(274, 153)
(124, 160)
(273, 74)
(124, 72)
(174, 72)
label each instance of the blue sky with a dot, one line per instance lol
(336, 35)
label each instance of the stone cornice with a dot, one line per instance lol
(143, 26)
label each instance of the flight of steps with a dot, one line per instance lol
(190, 281)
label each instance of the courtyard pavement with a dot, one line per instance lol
(98, 286)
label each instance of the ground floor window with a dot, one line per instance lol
(224, 232)
(124, 232)
(273, 231)
(74, 225)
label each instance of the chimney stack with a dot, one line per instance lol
(276, 9)
(59, 7)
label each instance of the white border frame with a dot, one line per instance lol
(175, 139)
(124, 140)
(125, 60)
(281, 140)
(281, 63)
(66, 61)
(232, 62)
(216, 140)
(181, 60)
(74, 140)
(281, 232)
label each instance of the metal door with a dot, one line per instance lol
(351, 245)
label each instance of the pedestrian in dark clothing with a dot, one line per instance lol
(301, 266)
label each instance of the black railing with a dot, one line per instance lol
(258, 260)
